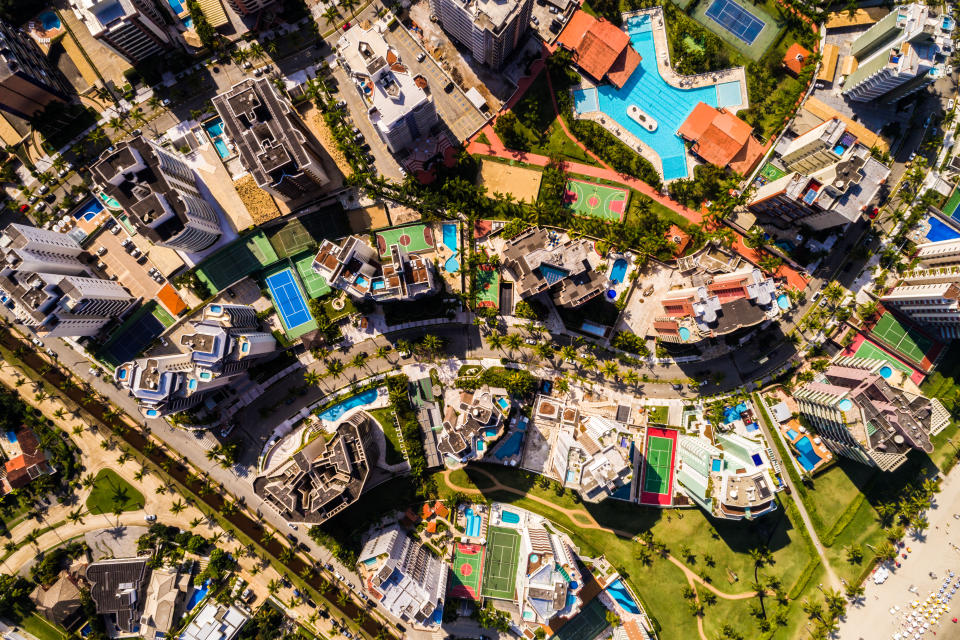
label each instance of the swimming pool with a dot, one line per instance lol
(585, 100)
(593, 329)
(215, 128)
(618, 271)
(199, 593)
(89, 210)
(50, 21)
(618, 591)
(885, 371)
(940, 230)
(509, 517)
(110, 202)
(728, 94)
(783, 301)
(222, 150)
(792, 434)
(188, 22)
(807, 457)
(473, 523)
(176, 6)
(450, 236)
(452, 265)
(359, 400)
(504, 404)
(11, 437)
(510, 446)
(571, 476)
(666, 104)
(716, 465)
(684, 333)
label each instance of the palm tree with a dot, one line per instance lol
(273, 587)
(334, 367)
(331, 14)
(359, 360)
(432, 344)
(312, 378)
(381, 352)
(513, 341)
(495, 340)
(256, 50)
(177, 507)
(267, 537)
(611, 370)
(75, 516)
(154, 102)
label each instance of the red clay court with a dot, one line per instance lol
(659, 456)
(467, 571)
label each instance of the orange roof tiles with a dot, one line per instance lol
(721, 138)
(795, 58)
(601, 49)
(680, 239)
(427, 512)
(440, 509)
(168, 298)
(432, 526)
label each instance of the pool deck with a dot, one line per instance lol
(737, 74)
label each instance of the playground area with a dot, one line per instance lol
(656, 487)
(597, 201)
(500, 568)
(467, 571)
(414, 238)
(913, 345)
(488, 287)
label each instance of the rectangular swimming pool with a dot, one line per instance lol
(728, 94)
(585, 100)
(940, 230)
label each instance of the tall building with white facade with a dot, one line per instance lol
(361, 271)
(930, 294)
(250, 7)
(898, 55)
(945, 253)
(160, 192)
(28, 81)
(404, 577)
(133, 29)
(274, 144)
(50, 286)
(870, 412)
(224, 343)
(399, 108)
(490, 29)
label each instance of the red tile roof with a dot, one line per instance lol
(601, 49)
(679, 238)
(721, 138)
(168, 298)
(795, 58)
(31, 462)
(440, 509)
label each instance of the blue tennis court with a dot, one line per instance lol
(288, 298)
(735, 19)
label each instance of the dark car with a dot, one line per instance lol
(449, 87)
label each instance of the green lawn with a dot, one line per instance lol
(43, 630)
(559, 144)
(394, 454)
(658, 415)
(661, 584)
(110, 491)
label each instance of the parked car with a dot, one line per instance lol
(37, 342)
(43, 189)
(150, 517)
(421, 56)
(535, 21)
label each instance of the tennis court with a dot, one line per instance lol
(488, 286)
(288, 299)
(133, 336)
(658, 457)
(591, 620)
(467, 571)
(313, 282)
(901, 338)
(236, 261)
(952, 207)
(735, 19)
(500, 568)
(596, 200)
(291, 239)
(413, 238)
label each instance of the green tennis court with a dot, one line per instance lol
(414, 238)
(873, 352)
(314, 283)
(907, 341)
(236, 261)
(467, 571)
(656, 479)
(591, 620)
(597, 200)
(500, 568)
(291, 239)
(953, 203)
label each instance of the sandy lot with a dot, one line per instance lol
(367, 218)
(257, 201)
(523, 184)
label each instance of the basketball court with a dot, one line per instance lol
(488, 286)
(413, 238)
(909, 342)
(313, 282)
(467, 571)
(597, 200)
(500, 568)
(656, 486)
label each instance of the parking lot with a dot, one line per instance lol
(543, 14)
(120, 263)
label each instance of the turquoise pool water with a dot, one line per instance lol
(510, 446)
(509, 517)
(716, 465)
(618, 271)
(845, 405)
(452, 265)
(89, 211)
(807, 457)
(593, 329)
(50, 21)
(885, 371)
(221, 147)
(503, 403)
(198, 595)
(359, 400)
(110, 202)
(791, 434)
(450, 236)
(684, 334)
(215, 128)
(618, 591)
(783, 301)
(473, 523)
(176, 6)
(585, 100)
(728, 94)
(188, 22)
(668, 105)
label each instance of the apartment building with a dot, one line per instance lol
(215, 349)
(489, 29)
(586, 456)
(472, 423)
(133, 29)
(870, 412)
(539, 260)
(730, 478)
(51, 289)
(161, 194)
(117, 588)
(945, 253)
(215, 621)
(274, 144)
(926, 301)
(404, 577)
(250, 7)
(359, 269)
(716, 305)
(898, 55)
(835, 195)
(325, 476)
(818, 148)
(28, 81)
(398, 106)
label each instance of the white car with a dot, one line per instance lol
(150, 517)
(950, 104)
(38, 342)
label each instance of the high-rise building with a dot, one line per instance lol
(404, 577)
(398, 106)
(51, 288)
(133, 29)
(945, 253)
(161, 194)
(223, 344)
(818, 148)
(274, 144)
(28, 82)
(898, 55)
(870, 412)
(249, 7)
(358, 269)
(490, 29)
